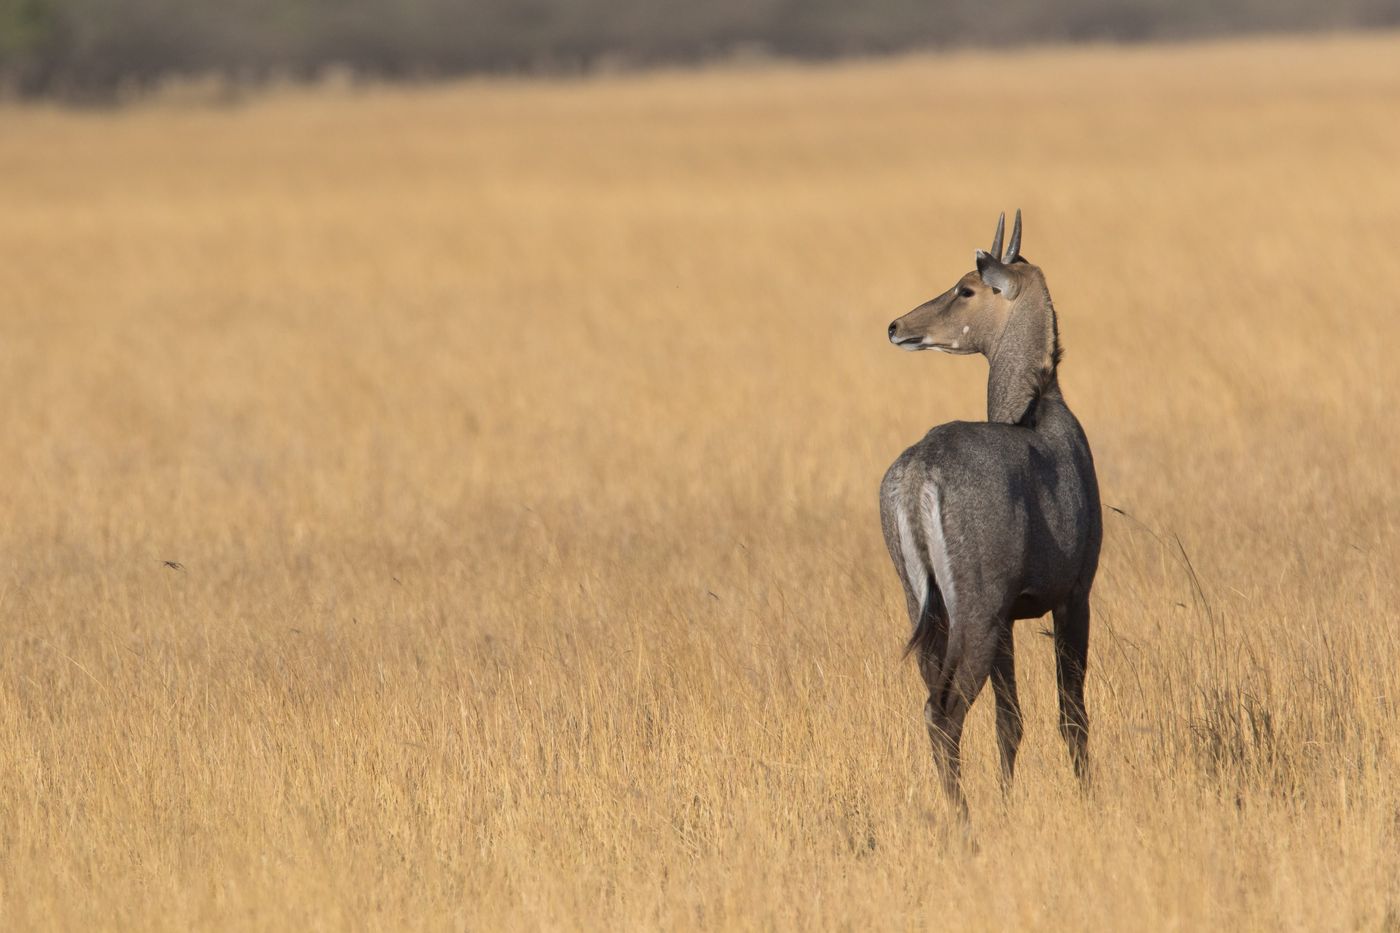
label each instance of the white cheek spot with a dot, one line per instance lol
(955, 344)
(966, 328)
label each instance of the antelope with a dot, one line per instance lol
(991, 522)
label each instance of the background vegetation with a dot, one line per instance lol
(516, 445)
(98, 49)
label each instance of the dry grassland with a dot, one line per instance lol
(519, 443)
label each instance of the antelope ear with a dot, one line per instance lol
(994, 273)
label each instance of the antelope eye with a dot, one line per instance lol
(965, 293)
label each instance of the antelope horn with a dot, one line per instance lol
(996, 241)
(1014, 249)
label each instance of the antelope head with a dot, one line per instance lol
(972, 315)
(1002, 310)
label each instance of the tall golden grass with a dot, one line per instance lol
(518, 446)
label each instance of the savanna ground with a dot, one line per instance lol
(518, 446)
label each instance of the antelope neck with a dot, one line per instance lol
(1023, 362)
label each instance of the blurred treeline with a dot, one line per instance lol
(91, 49)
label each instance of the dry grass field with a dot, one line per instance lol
(518, 444)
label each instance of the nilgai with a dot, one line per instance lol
(990, 522)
